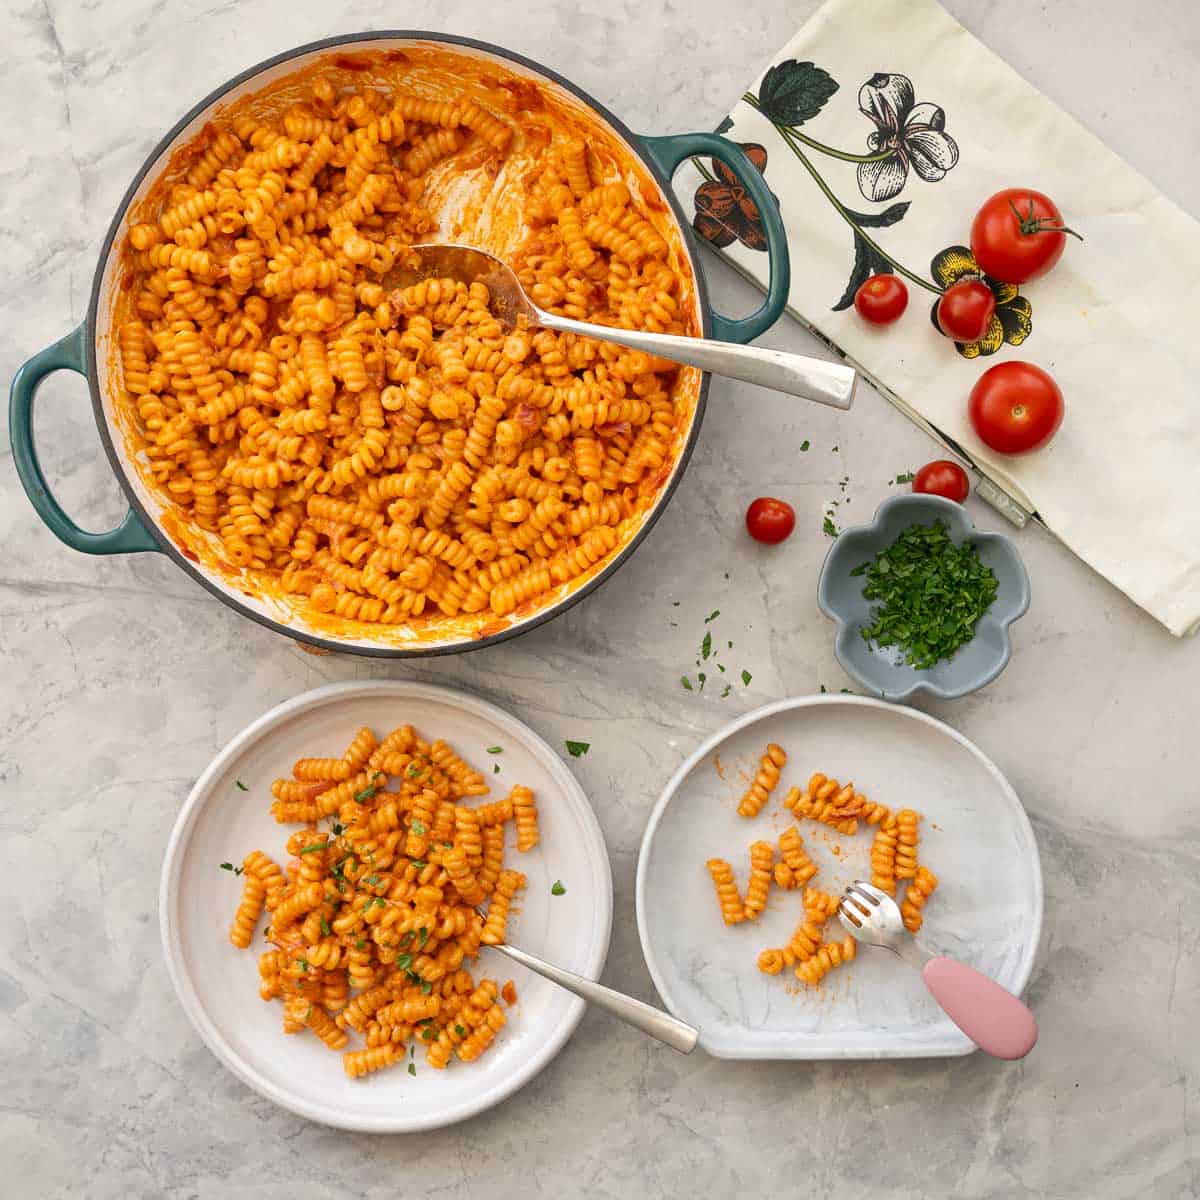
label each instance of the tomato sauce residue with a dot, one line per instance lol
(489, 215)
(717, 766)
(509, 993)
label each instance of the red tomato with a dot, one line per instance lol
(965, 310)
(770, 520)
(1015, 407)
(942, 478)
(881, 299)
(1018, 235)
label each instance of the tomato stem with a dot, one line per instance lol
(1029, 224)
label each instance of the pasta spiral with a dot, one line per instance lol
(771, 763)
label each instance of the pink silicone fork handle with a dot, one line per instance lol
(994, 1019)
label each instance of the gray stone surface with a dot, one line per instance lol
(121, 679)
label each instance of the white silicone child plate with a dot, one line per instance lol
(976, 838)
(217, 984)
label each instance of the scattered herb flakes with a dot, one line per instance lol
(412, 1068)
(727, 575)
(706, 646)
(460, 1031)
(845, 479)
(428, 1033)
(578, 749)
(931, 594)
(423, 935)
(728, 689)
(403, 962)
(419, 863)
(337, 828)
(366, 793)
(302, 963)
(834, 450)
(418, 827)
(721, 668)
(495, 768)
(315, 847)
(674, 603)
(558, 889)
(828, 527)
(687, 683)
(231, 867)
(360, 944)
(700, 675)
(746, 677)
(495, 749)
(903, 477)
(804, 445)
(712, 616)
(325, 930)
(824, 689)
(426, 988)
(731, 645)
(241, 787)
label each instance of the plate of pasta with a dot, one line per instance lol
(757, 834)
(332, 886)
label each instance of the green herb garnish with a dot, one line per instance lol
(804, 444)
(423, 935)
(828, 528)
(325, 930)
(712, 616)
(931, 594)
(360, 944)
(314, 847)
(495, 768)
(728, 689)
(903, 477)
(687, 683)
(404, 962)
(578, 749)
(426, 988)
(706, 646)
(746, 677)
(241, 787)
(700, 675)
(412, 1068)
(558, 889)
(495, 749)
(460, 1031)
(418, 827)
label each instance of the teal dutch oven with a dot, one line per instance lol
(85, 349)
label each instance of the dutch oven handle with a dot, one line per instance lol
(68, 354)
(668, 152)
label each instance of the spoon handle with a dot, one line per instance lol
(797, 374)
(658, 1024)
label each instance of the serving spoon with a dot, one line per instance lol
(658, 1024)
(796, 374)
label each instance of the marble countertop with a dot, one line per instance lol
(122, 679)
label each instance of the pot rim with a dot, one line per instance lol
(337, 645)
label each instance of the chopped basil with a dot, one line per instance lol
(423, 935)
(338, 829)
(360, 944)
(712, 616)
(366, 793)
(419, 863)
(426, 988)
(687, 683)
(418, 827)
(412, 1068)
(578, 749)
(703, 678)
(428, 1033)
(746, 677)
(804, 444)
(931, 592)
(706, 646)
(728, 689)
(495, 749)
(557, 889)
(495, 768)
(404, 961)
(460, 1031)
(828, 528)
(314, 847)
(230, 867)
(241, 787)
(325, 930)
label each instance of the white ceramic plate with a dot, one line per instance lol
(976, 838)
(218, 984)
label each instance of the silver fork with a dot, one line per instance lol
(992, 1017)
(650, 1020)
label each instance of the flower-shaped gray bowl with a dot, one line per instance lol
(883, 671)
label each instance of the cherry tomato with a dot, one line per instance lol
(1018, 235)
(965, 310)
(942, 478)
(1015, 407)
(881, 299)
(770, 520)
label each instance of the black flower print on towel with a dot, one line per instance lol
(1012, 322)
(906, 134)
